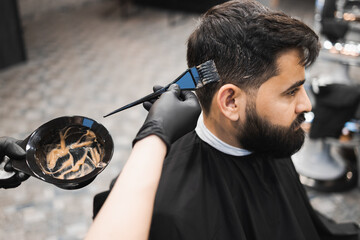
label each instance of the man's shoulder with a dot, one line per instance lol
(184, 144)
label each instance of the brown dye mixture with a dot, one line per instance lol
(69, 159)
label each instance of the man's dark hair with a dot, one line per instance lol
(244, 38)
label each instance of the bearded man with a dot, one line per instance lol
(233, 178)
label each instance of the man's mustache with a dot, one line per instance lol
(298, 121)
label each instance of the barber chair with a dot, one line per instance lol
(329, 159)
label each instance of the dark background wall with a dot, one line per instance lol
(12, 48)
(198, 6)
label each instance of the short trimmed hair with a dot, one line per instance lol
(244, 38)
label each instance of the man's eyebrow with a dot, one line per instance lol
(295, 85)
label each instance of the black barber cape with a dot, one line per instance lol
(205, 194)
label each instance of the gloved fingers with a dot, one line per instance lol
(22, 176)
(8, 167)
(16, 178)
(9, 148)
(188, 95)
(190, 99)
(15, 151)
(175, 89)
(157, 87)
(147, 105)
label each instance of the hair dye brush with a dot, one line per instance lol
(193, 78)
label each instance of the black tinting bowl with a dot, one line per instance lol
(47, 137)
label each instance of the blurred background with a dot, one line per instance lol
(89, 57)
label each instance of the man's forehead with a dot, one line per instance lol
(295, 55)
(290, 72)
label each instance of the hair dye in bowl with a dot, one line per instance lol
(73, 152)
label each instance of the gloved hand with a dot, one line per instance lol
(173, 115)
(9, 148)
(148, 104)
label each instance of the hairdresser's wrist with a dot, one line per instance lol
(152, 128)
(151, 138)
(152, 141)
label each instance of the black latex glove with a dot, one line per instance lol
(147, 105)
(10, 148)
(173, 115)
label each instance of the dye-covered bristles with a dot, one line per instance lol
(207, 73)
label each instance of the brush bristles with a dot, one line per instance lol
(207, 73)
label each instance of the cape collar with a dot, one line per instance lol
(204, 134)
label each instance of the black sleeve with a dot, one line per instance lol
(100, 198)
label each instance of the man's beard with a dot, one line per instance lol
(260, 136)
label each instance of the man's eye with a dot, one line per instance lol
(293, 92)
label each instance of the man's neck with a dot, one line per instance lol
(213, 140)
(219, 127)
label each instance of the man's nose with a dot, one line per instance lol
(304, 104)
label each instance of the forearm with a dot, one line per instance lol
(127, 212)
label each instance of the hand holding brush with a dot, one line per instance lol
(173, 115)
(193, 78)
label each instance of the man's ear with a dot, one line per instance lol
(231, 101)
